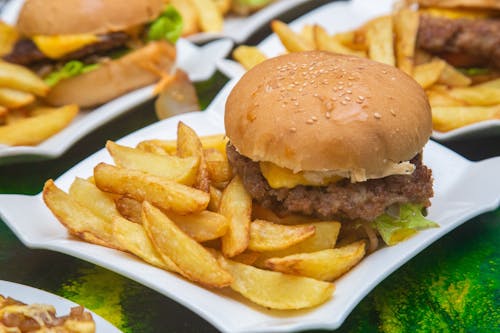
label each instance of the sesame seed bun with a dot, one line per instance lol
(473, 4)
(54, 17)
(319, 111)
(114, 78)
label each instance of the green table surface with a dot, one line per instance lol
(452, 286)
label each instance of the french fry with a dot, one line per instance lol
(189, 16)
(476, 95)
(438, 97)
(8, 37)
(268, 236)
(248, 56)
(307, 33)
(452, 117)
(215, 197)
(79, 220)
(20, 78)
(219, 170)
(236, 206)
(428, 74)
(169, 147)
(276, 290)
(291, 40)
(14, 98)
(33, 130)
(189, 145)
(326, 265)
(133, 238)
(129, 208)
(210, 19)
(380, 40)
(406, 23)
(201, 226)
(490, 84)
(325, 42)
(3, 115)
(450, 76)
(193, 260)
(223, 6)
(180, 170)
(141, 186)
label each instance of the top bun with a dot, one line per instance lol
(479, 4)
(54, 17)
(321, 111)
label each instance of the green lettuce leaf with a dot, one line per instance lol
(167, 26)
(70, 69)
(475, 71)
(394, 230)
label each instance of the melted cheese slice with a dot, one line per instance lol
(282, 177)
(58, 46)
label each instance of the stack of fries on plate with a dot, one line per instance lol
(456, 99)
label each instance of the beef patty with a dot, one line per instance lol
(341, 200)
(463, 42)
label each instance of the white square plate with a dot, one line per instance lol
(463, 189)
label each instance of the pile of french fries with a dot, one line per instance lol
(391, 39)
(23, 120)
(206, 15)
(177, 206)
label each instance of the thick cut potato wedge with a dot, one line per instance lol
(215, 197)
(201, 226)
(219, 170)
(406, 23)
(325, 265)
(380, 40)
(169, 147)
(12, 98)
(448, 118)
(20, 78)
(209, 17)
(248, 56)
(129, 208)
(268, 236)
(194, 261)
(277, 290)
(325, 42)
(177, 169)
(429, 73)
(141, 186)
(79, 220)
(236, 206)
(291, 40)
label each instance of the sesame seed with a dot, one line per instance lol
(328, 115)
(309, 122)
(347, 98)
(343, 103)
(314, 118)
(293, 129)
(377, 115)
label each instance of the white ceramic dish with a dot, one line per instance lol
(198, 62)
(343, 16)
(30, 295)
(462, 190)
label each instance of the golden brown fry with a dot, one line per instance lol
(219, 170)
(326, 265)
(406, 28)
(307, 33)
(428, 74)
(209, 17)
(189, 16)
(141, 186)
(14, 98)
(248, 56)
(223, 6)
(325, 42)
(33, 130)
(129, 208)
(439, 97)
(215, 197)
(193, 260)
(276, 290)
(20, 78)
(8, 37)
(236, 206)
(169, 147)
(291, 40)
(380, 40)
(476, 95)
(268, 236)
(452, 117)
(177, 169)
(450, 76)
(201, 226)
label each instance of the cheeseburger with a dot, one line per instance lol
(93, 51)
(333, 137)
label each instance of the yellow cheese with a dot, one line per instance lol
(58, 46)
(282, 177)
(459, 13)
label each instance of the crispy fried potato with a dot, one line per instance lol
(452, 77)
(201, 226)
(307, 33)
(452, 117)
(326, 265)
(439, 97)
(133, 238)
(177, 169)
(325, 42)
(33, 130)
(129, 208)
(189, 16)
(20, 78)
(215, 196)
(291, 40)
(194, 261)
(189, 145)
(79, 220)
(219, 170)
(141, 186)
(236, 206)
(15, 98)
(429, 73)
(248, 56)
(406, 23)
(380, 40)
(169, 147)
(209, 17)
(223, 6)
(476, 95)
(268, 236)
(8, 38)
(277, 290)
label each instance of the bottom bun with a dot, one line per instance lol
(114, 78)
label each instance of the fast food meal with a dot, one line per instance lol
(323, 157)
(452, 51)
(16, 316)
(89, 55)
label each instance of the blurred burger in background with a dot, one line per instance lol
(466, 33)
(90, 52)
(333, 136)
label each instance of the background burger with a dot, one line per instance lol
(93, 51)
(466, 33)
(333, 137)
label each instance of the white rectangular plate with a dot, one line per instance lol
(462, 190)
(343, 16)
